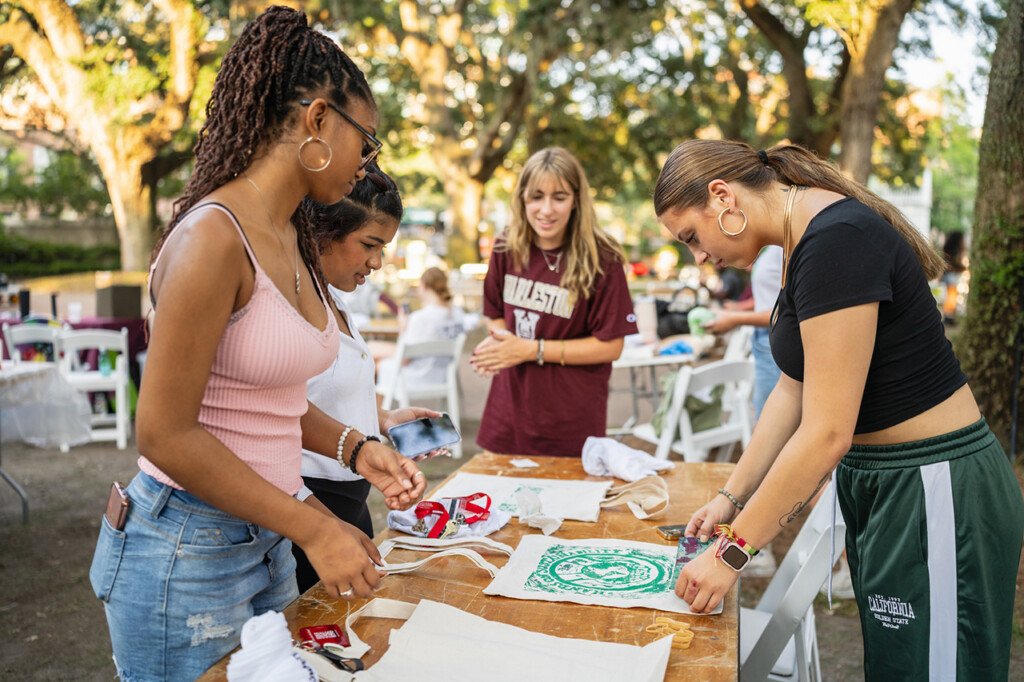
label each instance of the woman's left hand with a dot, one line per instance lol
(705, 581)
(397, 477)
(503, 351)
(389, 418)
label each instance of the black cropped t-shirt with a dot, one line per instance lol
(849, 256)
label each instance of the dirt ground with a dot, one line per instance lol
(53, 628)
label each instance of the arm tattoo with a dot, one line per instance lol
(799, 507)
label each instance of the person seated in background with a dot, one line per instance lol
(436, 320)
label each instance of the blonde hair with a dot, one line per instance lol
(435, 280)
(585, 240)
(691, 166)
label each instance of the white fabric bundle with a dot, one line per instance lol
(266, 654)
(532, 514)
(609, 457)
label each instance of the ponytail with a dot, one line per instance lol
(692, 165)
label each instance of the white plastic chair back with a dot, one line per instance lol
(789, 599)
(92, 380)
(403, 392)
(739, 345)
(736, 376)
(23, 334)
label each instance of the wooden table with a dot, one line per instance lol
(713, 656)
(385, 329)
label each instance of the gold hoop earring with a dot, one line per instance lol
(727, 232)
(315, 140)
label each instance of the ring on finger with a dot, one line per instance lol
(345, 594)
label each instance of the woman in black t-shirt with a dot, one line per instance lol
(871, 389)
(558, 308)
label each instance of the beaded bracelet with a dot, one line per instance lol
(341, 445)
(732, 498)
(724, 530)
(356, 449)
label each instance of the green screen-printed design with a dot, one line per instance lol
(510, 504)
(609, 571)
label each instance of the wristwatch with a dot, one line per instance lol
(734, 555)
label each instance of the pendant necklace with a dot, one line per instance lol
(273, 226)
(553, 267)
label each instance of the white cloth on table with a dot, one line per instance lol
(38, 406)
(618, 573)
(532, 514)
(576, 500)
(440, 643)
(266, 653)
(646, 498)
(609, 457)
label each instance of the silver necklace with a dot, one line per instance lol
(553, 267)
(273, 226)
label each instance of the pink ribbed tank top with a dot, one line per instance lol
(256, 393)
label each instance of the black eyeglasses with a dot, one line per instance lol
(371, 145)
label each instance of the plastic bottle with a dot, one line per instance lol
(105, 366)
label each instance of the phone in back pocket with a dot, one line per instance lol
(117, 507)
(420, 436)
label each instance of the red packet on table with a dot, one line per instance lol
(324, 634)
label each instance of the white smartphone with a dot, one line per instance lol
(420, 436)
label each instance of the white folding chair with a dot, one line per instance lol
(397, 389)
(91, 380)
(778, 639)
(24, 334)
(738, 347)
(737, 377)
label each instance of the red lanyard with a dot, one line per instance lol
(464, 507)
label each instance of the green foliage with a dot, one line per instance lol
(20, 257)
(69, 180)
(953, 157)
(14, 189)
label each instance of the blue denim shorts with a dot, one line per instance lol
(766, 372)
(181, 579)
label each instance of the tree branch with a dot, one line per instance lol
(794, 67)
(37, 53)
(182, 19)
(60, 24)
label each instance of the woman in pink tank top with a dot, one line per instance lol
(241, 324)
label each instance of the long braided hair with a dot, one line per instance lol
(277, 60)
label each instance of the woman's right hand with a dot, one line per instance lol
(703, 522)
(483, 345)
(344, 557)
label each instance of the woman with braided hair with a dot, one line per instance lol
(241, 323)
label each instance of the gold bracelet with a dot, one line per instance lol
(563, 352)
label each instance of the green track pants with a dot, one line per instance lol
(934, 530)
